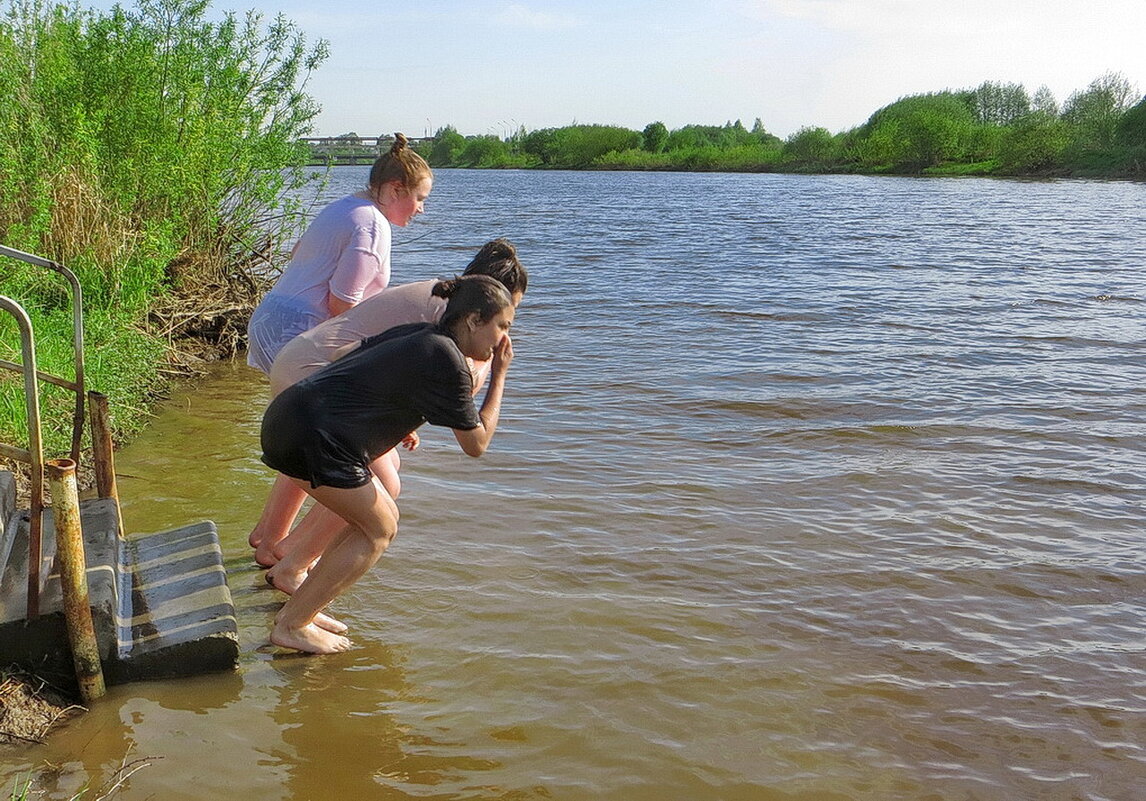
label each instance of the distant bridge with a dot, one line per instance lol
(351, 149)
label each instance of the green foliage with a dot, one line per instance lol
(448, 145)
(577, 146)
(918, 131)
(994, 129)
(1092, 116)
(1034, 143)
(811, 148)
(999, 103)
(654, 137)
(482, 151)
(634, 159)
(765, 138)
(1132, 126)
(1132, 139)
(1043, 101)
(135, 137)
(729, 135)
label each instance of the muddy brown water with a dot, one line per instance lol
(806, 488)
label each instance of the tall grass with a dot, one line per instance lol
(150, 150)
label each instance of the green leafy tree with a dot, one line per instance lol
(770, 141)
(578, 146)
(1034, 143)
(811, 147)
(999, 103)
(919, 131)
(1043, 101)
(1132, 137)
(541, 144)
(1132, 126)
(483, 151)
(152, 151)
(1092, 115)
(729, 135)
(654, 137)
(447, 148)
(154, 128)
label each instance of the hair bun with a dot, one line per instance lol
(445, 288)
(400, 142)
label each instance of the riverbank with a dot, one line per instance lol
(30, 708)
(187, 329)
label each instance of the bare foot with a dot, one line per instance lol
(286, 580)
(310, 638)
(333, 625)
(254, 538)
(265, 555)
(323, 621)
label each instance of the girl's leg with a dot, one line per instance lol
(275, 521)
(296, 553)
(386, 467)
(371, 523)
(306, 544)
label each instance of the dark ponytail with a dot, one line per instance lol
(469, 294)
(498, 259)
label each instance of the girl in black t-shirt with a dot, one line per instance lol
(324, 431)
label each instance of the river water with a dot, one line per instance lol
(805, 488)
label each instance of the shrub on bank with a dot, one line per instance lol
(150, 150)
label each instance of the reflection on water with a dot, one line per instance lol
(806, 488)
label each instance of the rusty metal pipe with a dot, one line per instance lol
(35, 451)
(77, 354)
(77, 338)
(74, 578)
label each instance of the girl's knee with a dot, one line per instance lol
(380, 537)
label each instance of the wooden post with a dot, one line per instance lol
(103, 457)
(74, 578)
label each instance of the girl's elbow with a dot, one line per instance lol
(474, 449)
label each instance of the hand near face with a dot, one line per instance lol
(503, 355)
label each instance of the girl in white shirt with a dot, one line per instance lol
(343, 257)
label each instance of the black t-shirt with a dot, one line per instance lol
(328, 427)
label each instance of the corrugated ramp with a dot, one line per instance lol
(160, 602)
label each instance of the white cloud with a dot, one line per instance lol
(874, 51)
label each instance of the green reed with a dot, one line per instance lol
(149, 150)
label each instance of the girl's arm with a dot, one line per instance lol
(475, 441)
(336, 304)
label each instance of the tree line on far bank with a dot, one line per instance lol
(994, 129)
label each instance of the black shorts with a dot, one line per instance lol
(295, 444)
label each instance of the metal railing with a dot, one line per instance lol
(33, 455)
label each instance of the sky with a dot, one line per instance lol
(492, 66)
